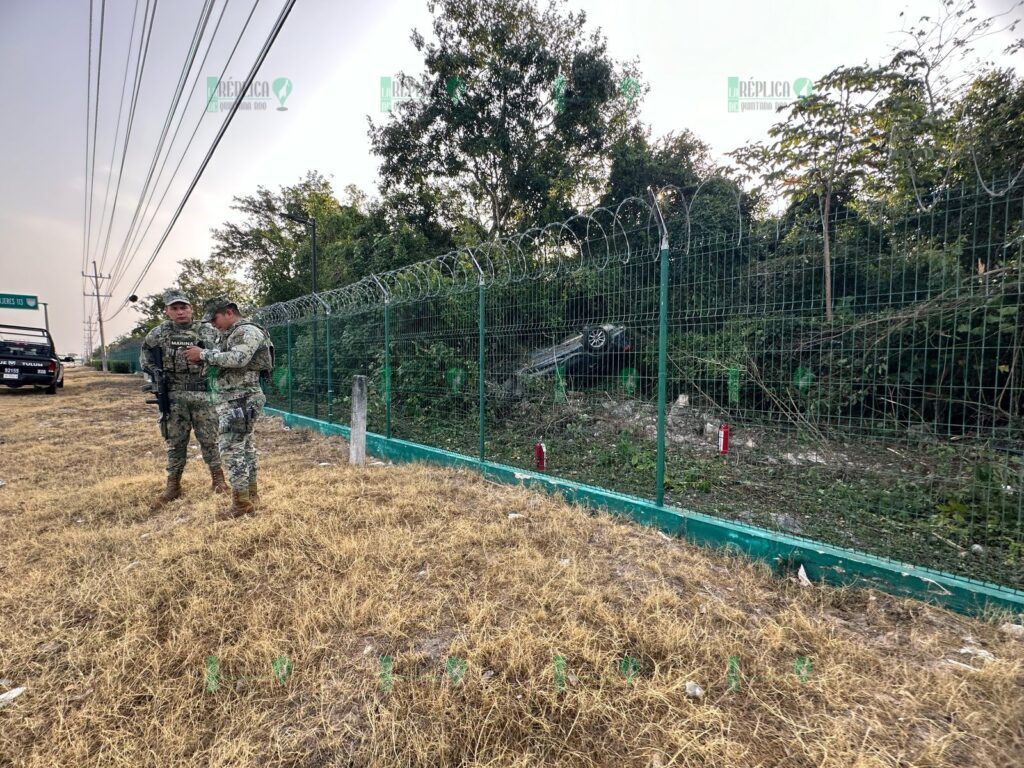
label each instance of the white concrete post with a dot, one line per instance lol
(357, 436)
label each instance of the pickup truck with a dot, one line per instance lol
(28, 358)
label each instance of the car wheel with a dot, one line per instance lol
(595, 339)
(52, 389)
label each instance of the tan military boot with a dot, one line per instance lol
(241, 504)
(219, 484)
(170, 493)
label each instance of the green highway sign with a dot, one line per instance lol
(18, 301)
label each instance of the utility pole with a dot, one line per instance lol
(46, 315)
(88, 339)
(96, 277)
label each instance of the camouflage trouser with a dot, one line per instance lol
(237, 420)
(191, 410)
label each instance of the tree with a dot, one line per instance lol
(520, 106)
(826, 146)
(678, 159)
(990, 128)
(270, 249)
(906, 130)
(938, 112)
(681, 161)
(200, 280)
(354, 239)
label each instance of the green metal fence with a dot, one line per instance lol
(121, 358)
(889, 422)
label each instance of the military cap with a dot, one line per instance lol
(174, 296)
(215, 305)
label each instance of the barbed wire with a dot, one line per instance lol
(557, 250)
(586, 241)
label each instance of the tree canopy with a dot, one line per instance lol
(520, 106)
(523, 118)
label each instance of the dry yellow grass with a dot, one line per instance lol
(108, 614)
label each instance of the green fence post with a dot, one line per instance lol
(314, 357)
(480, 371)
(291, 371)
(659, 480)
(330, 374)
(387, 369)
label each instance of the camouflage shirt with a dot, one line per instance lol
(247, 351)
(173, 338)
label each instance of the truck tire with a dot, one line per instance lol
(52, 389)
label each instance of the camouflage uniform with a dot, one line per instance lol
(247, 350)
(192, 405)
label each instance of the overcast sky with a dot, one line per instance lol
(334, 52)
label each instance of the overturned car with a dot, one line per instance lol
(581, 358)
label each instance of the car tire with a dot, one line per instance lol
(595, 339)
(52, 389)
(61, 383)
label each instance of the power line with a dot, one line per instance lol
(117, 128)
(190, 57)
(95, 120)
(275, 31)
(96, 277)
(140, 68)
(136, 241)
(85, 177)
(88, 109)
(119, 264)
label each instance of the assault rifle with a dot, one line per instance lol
(158, 386)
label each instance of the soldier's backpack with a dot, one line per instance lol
(264, 356)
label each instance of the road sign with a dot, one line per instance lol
(18, 301)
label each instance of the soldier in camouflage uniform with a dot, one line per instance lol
(247, 356)
(192, 405)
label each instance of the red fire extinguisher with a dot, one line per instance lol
(540, 455)
(723, 439)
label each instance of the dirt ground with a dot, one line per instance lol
(412, 616)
